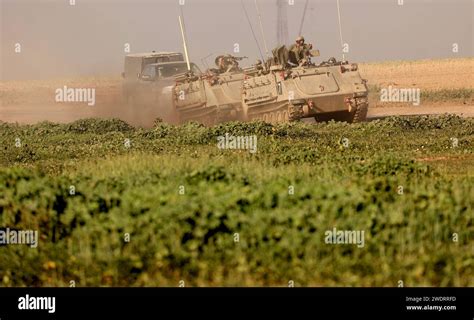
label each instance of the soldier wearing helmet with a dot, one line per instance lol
(299, 52)
(259, 67)
(227, 63)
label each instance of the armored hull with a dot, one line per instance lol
(330, 90)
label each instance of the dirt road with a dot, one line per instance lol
(63, 113)
(29, 102)
(29, 114)
(463, 111)
(34, 101)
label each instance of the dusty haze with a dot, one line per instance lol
(60, 40)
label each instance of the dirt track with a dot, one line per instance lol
(34, 113)
(464, 111)
(34, 101)
(30, 102)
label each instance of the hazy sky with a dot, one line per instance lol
(58, 39)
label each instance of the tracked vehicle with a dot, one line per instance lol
(273, 92)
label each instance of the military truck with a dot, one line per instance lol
(157, 79)
(273, 92)
(136, 63)
(148, 80)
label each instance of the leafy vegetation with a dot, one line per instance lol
(207, 216)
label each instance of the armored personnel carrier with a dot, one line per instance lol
(274, 91)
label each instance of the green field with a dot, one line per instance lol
(170, 206)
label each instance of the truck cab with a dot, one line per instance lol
(148, 79)
(157, 80)
(134, 66)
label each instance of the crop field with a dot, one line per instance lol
(434, 74)
(442, 81)
(122, 206)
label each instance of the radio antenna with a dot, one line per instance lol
(253, 32)
(302, 19)
(261, 28)
(340, 30)
(184, 43)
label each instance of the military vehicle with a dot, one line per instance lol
(147, 85)
(156, 81)
(275, 91)
(136, 63)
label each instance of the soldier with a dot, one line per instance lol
(299, 52)
(227, 63)
(259, 67)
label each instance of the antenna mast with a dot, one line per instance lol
(184, 43)
(282, 23)
(302, 19)
(261, 29)
(251, 29)
(340, 30)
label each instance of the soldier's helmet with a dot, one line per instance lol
(219, 60)
(300, 38)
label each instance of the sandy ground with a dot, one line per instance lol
(29, 102)
(33, 101)
(29, 114)
(463, 111)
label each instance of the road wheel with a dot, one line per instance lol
(360, 113)
(295, 112)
